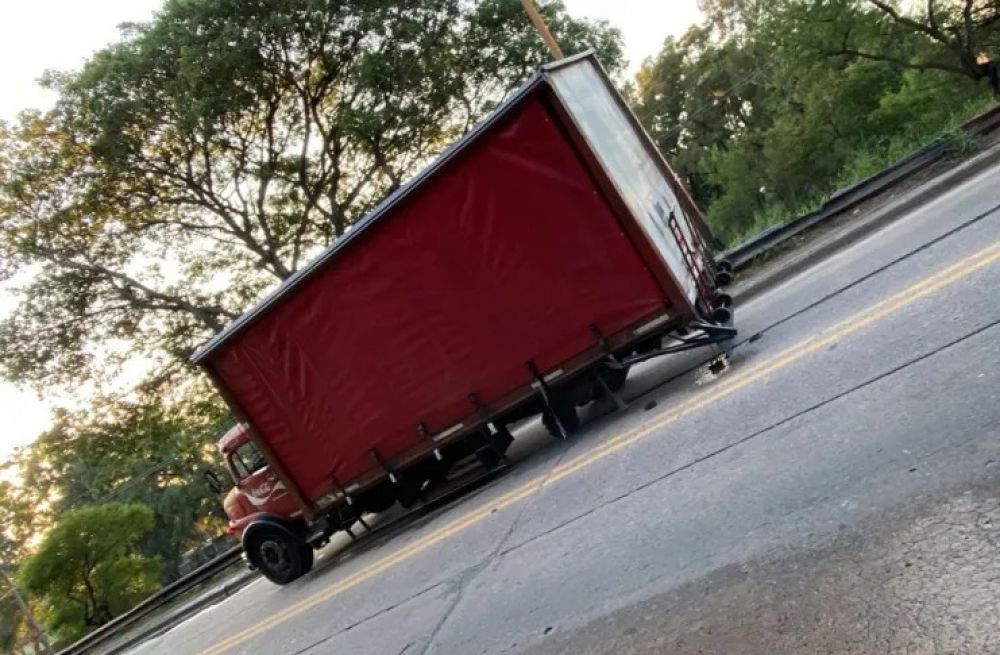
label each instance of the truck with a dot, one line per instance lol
(519, 274)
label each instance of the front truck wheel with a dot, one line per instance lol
(278, 553)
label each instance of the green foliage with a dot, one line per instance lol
(88, 569)
(10, 623)
(141, 453)
(767, 108)
(213, 151)
(17, 518)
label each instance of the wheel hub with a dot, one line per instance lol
(275, 556)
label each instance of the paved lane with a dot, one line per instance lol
(834, 437)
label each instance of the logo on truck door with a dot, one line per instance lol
(265, 492)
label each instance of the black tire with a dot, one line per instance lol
(407, 493)
(568, 418)
(378, 499)
(308, 557)
(490, 448)
(279, 555)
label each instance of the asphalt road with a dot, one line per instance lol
(836, 489)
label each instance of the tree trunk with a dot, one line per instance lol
(991, 71)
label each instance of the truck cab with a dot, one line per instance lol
(264, 515)
(262, 512)
(256, 491)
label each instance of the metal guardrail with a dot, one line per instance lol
(155, 601)
(742, 255)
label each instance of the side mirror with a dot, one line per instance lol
(213, 481)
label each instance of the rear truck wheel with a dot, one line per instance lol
(614, 377)
(277, 552)
(407, 493)
(724, 265)
(561, 412)
(723, 278)
(490, 448)
(378, 499)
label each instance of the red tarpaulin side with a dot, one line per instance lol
(507, 255)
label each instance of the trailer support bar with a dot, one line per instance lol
(710, 333)
(546, 393)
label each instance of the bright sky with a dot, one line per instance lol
(36, 35)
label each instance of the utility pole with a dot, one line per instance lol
(542, 28)
(35, 628)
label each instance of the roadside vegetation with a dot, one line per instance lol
(768, 107)
(209, 154)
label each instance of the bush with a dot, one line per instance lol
(88, 570)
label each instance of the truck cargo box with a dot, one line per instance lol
(552, 232)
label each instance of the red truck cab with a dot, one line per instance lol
(257, 490)
(259, 500)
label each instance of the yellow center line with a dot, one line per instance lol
(894, 303)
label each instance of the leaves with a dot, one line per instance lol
(138, 453)
(212, 152)
(87, 567)
(764, 115)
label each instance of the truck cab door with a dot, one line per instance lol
(258, 485)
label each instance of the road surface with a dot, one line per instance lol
(836, 489)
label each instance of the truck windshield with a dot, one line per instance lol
(247, 460)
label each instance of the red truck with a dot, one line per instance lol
(521, 273)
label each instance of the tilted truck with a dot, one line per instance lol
(521, 273)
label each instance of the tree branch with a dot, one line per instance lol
(209, 316)
(915, 65)
(935, 33)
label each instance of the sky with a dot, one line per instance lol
(38, 35)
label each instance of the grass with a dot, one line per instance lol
(868, 161)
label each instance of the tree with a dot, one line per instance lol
(19, 522)
(697, 93)
(953, 36)
(87, 568)
(214, 150)
(17, 517)
(140, 453)
(764, 122)
(11, 623)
